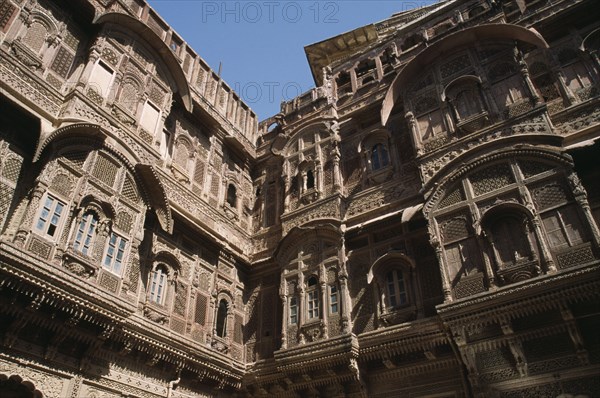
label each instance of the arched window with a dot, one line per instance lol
(221, 326)
(465, 97)
(85, 233)
(395, 289)
(231, 195)
(158, 285)
(379, 157)
(312, 298)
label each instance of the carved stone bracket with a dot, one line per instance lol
(312, 332)
(78, 266)
(154, 315)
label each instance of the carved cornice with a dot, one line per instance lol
(525, 298)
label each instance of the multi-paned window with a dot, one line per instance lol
(293, 310)
(333, 299)
(50, 215)
(115, 253)
(158, 285)
(396, 288)
(312, 298)
(85, 233)
(313, 304)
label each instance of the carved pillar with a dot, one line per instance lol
(319, 177)
(337, 179)
(412, 125)
(345, 300)
(439, 254)
(489, 270)
(531, 244)
(286, 193)
(595, 58)
(62, 244)
(580, 195)
(353, 80)
(535, 98)
(286, 185)
(379, 68)
(324, 308)
(497, 259)
(574, 333)
(545, 255)
(302, 310)
(489, 101)
(87, 71)
(565, 91)
(102, 232)
(284, 320)
(32, 207)
(135, 244)
(230, 326)
(212, 317)
(446, 111)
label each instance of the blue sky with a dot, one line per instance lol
(260, 44)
